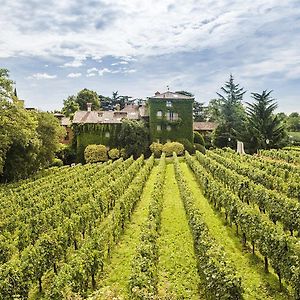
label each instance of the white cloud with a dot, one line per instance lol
(74, 75)
(132, 28)
(120, 63)
(129, 71)
(39, 76)
(77, 62)
(91, 74)
(92, 70)
(101, 72)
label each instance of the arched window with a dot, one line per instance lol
(159, 114)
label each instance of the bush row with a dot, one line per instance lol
(143, 279)
(73, 229)
(218, 274)
(279, 207)
(282, 250)
(291, 188)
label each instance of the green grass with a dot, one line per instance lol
(114, 282)
(177, 269)
(256, 283)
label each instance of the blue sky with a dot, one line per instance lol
(55, 48)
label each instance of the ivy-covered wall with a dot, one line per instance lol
(88, 134)
(180, 129)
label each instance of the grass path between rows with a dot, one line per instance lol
(256, 283)
(117, 273)
(177, 268)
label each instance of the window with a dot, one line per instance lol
(159, 114)
(169, 128)
(107, 134)
(169, 104)
(158, 127)
(172, 116)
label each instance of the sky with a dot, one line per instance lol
(54, 49)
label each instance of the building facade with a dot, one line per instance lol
(170, 117)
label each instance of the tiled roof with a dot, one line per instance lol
(131, 112)
(205, 126)
(65, 121)
(170, 95)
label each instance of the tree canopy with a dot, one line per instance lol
(232, 115)
(264, 129)
(28, 138)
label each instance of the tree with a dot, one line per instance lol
(134, 138)
(33, 141)
(185, 93)
(87, 96)
(199, 113)
(70, 106)
(232, 114)
(264, 128)
(214, 110)
(6, 85)
(293, 122)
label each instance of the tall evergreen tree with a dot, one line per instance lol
(264, 128)
(232, 114)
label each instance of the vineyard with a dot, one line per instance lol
(214, 226)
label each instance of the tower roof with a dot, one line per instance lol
(170, 95)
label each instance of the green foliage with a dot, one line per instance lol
(114, 153)
(87, 96)
(88, 134)
(143, 279)
(66, 153)
(200, 148)
(199, 113)
(70, 106)
(180, 129)
(171, 147)
(57, 162)
(156, 149)
(232, 115)
(214, 110)
(188, 146)
(198, 138)
(264, 129)
(95, 153)
(216, 271)
(293, 122)
(133, 137)
(6, 85)
(233, 197)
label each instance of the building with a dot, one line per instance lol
(170, 117)
(102, 127)
(67, 124)
(205, 128)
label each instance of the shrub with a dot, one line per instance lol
(170, 147)
(188, 146)
(114, 153)
(156, 149)
(198, 138)
(123, 153)
(200, 148)
(56, 162)
(95, 153)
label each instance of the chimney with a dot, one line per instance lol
(89, 106)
